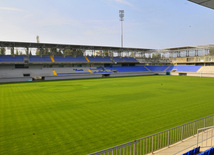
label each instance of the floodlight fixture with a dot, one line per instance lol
(121, 15)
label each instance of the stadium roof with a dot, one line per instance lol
(70, 46)
(206, 3)
(181, 48)
(168, 50)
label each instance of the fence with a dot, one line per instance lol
(159, 140)
(205, 136)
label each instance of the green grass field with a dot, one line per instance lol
(83, 116)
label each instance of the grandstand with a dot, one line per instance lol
(53, 67)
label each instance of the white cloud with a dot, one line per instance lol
(123, 2)
(11, 9)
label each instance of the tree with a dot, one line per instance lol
(54, 51)
(41, 51)
(12, 51)
(67, 52)
(73, 52)
(78, 52)
(2, 51)
(211, 52)
(37, 52)
(46, 51)
(106, 53)
(17, 52)
(132, 54)
(156, 55)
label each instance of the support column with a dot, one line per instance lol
(63, 51)
(111, 53)
(206, 51)
(170, 55)
(103, 53)
(40, 51)
(27, 51)
(196, 52)
(121, 54)
(12, 51)
(51, 52)
(187, 53)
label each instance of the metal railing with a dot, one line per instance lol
(205, 137)
(159, 140)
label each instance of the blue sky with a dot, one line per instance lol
(148, 23)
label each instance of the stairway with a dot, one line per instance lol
(147, 68)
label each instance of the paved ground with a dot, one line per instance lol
(206, 141)
(75, 76)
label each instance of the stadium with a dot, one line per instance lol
(101, 100)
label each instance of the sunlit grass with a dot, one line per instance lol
(83, 116)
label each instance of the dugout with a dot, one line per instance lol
(182, 74)
(38, 78)
(106, 75)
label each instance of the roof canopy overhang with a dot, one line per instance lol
(70, 46)
(206, 3)
(180, 48)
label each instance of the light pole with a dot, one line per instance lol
(121, 14)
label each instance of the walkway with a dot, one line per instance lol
(187, 144)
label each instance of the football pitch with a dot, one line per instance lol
(83, 116)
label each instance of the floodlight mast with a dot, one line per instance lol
(121, 15)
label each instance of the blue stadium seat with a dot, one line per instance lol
(101, 70)
(70, 59)
(129, 59)
(196, 150)
(118, 60)
(157, 68)
(100, 59)
(193, 151)
(211, 151)
(40, 59)
(170, 68)
(207, 152)
(184, 68)
(129, 69)
(9, 58)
